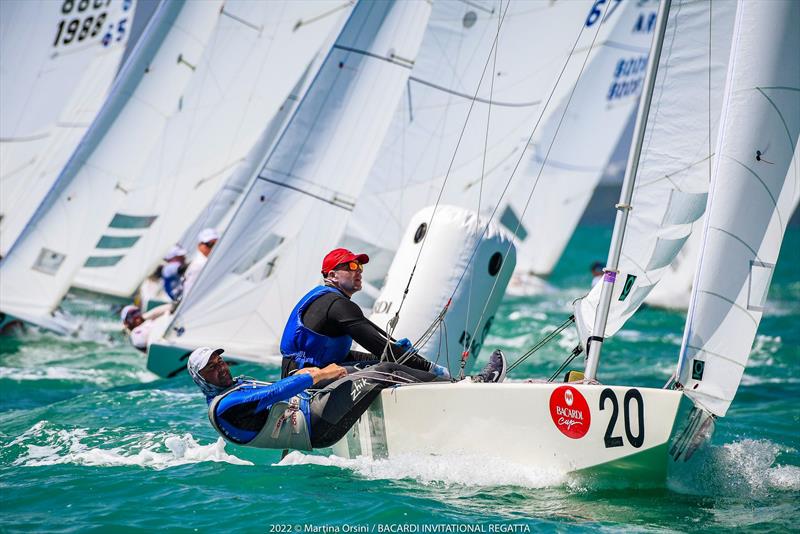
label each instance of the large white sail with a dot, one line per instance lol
(578, 136)
(752, 195)
(37, 271)
(297, 208)
(57, 63)
(254, 57)
(675, 166)
(220, 209)
(459, 60)
(674, 290)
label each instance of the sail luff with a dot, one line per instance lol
(623, 208)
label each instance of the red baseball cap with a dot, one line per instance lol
(338, 256)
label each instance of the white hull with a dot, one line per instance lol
(514, 421)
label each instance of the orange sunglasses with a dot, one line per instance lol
(349, 266)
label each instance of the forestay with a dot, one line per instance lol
(577, 138)
(754, 189)
(296, 209)
(39, 268)
(675, 166)
(468, 98)
(254, 57)
(57, 63)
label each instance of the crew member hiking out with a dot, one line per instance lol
(284, 415)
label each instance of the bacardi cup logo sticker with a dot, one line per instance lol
(570, 412)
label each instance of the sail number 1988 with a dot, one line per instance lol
(632, 396)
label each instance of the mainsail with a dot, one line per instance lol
(463, 76)
(576, 140)
(254, 56)
(753, 192)
(38, 269)
(298, 206)
(220, 209)
(57, 63)
(675, 163)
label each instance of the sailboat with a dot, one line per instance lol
(587, 425)
(429, 152)
(254, 56)
(37, 272)
(57, 63)
(296, 208)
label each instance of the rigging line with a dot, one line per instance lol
(452, 161)
(467, 341)
(544, 161)
(542, 342)
(444, 89)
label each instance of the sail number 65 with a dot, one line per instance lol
(630, 395)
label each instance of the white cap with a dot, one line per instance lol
(199, 358)
(174, 252)
(207, 235)
(126, 310)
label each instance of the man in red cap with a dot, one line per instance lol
(323, 325)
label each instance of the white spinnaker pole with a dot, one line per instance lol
(595, 342)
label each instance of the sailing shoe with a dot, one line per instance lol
(495, 370)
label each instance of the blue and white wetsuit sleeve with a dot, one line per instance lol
(253, 404)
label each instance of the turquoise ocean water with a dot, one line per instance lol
(91, 441)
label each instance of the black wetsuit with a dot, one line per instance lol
(334, 315)
(337, 407)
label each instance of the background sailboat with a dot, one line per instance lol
(254, 56)
(57, 63)
(56, 243)
(297, 207)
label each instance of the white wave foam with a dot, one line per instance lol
(53, 446)
(72, 374)
(477, 471)
(743, 468)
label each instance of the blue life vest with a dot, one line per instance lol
(170, 275)
(307, 347)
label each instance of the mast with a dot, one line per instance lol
(595, 342)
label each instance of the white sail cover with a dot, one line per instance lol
(455, 64)
(578, 136)
(297, 208)
(674, 170)
(254, 57)
(37, 271)
(57, 63)
(751, 199)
